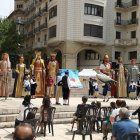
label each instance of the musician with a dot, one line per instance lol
(120, 78)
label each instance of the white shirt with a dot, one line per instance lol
(20, 116)
(132, 84)
(68, 82)
(59, 78)
(115, 112)
(103, 67)
(32, 82)
(95, 85)
(26, 83)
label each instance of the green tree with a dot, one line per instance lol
(10, 39)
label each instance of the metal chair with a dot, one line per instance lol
(135, 136)
(85, 127)
(34, 110)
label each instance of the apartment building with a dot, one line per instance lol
(82, 31)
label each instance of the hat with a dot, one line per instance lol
(25, 77)
(33, 75)
(106, 56)
(66, 72)
(53, 54)
(58, 73)
(90, 78)
(38, 52)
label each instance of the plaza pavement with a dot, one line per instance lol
(61, 131)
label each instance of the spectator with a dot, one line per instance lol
(137, 111)
(124, 126)
(123, 103)
(94, 103)
(25, 104)
(115, 112)
(24, 132)
(45, 104)
(49, 83)
(84, 100)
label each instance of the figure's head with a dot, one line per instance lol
(84, 99)
(24, 131)
(21, 59)
(38, 55)
(124, 113)
(120, 60)
(53, 55)
(118, 103)
(133, 62)
(106, 58)
(4, 56)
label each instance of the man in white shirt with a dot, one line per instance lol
(115, 112)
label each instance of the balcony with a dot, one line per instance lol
(37, 46)
(31, 19)
(37, 15)
(32, 6)
(127, 6)
(26, 36)
(38, 2)
(31, 33)
(19, 21)
(44, 11)
(44, 26)
(26, 23)
(37, 30)
(26, 10)
(28, 49)
(126, 23)
(125, 42)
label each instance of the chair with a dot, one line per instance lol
(85, 127)
(49, 112)
(82, 110)
(34, 123)
(136, 136)
(34, 110)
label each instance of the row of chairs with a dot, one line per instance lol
(47, 118)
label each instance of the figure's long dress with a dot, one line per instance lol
(4, 79)
(38, 71)
(121, 86)
(19, 86)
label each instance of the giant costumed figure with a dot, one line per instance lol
(5, 67)
(38, 69)
(19, 78)
(105, 68)
(52, 69)
(120, 73)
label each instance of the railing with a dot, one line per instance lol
(125, 42)
(37, 1)
(26, 23)
(38, 14)
(19, 21)
(28, 49)
(31, 19)
(31, 32)
(37, 29)
(32, 6)
(45, 9)
(127, 5)
(126, 22)
(26, 10)
(44, 25)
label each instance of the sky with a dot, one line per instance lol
(6, 7)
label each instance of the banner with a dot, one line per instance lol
(74, 78)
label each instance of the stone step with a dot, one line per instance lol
(58, 115)
(12, 123)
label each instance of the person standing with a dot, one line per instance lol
(138, 88)
(132, 87)
(90, 87)
(120, 78)
(5, 67)
(49, 83)
(33, 86)
(58, 88)
(26, 87)
(96, 89)
(133, 74)
(66, 87)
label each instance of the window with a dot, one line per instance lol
(53, 12)
(39, 10)
(45, 37)
(133, 34)
(19, 6)
(117, 55)
(93, 10)
(91, 55)
(132, 55)
(93, 30)
(39, 39)
(118, 35)
(52, 32)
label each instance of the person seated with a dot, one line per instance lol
(123, 103)
(24, 131)
(124, 126)
(46, 103)
(115, 112)
(84, 101)
(25, 104)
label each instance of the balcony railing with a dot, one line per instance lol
(126, 22)
(37, 29)
(26, 10)
(26, 23)
(125, 42)
(38, 14)
(19, 21)
(127, 5)
(31, 19)
(31, 33)
(44, 25)
(28, 49)
(32, 6)
(37, 1)
(45, 9)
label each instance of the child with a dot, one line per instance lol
(96, 90)
(33, 86)
(49, 82)
(90, 87)
(132, 87)
(26, 87)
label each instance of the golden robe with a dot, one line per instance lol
(121, 86)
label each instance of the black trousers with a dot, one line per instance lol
(138, 91)
(91, 91)
(17, 122)
(65, 93)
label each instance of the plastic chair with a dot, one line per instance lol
(34, 110)
(85, 127)
(135, 136)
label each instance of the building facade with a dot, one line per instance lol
(82, 31)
